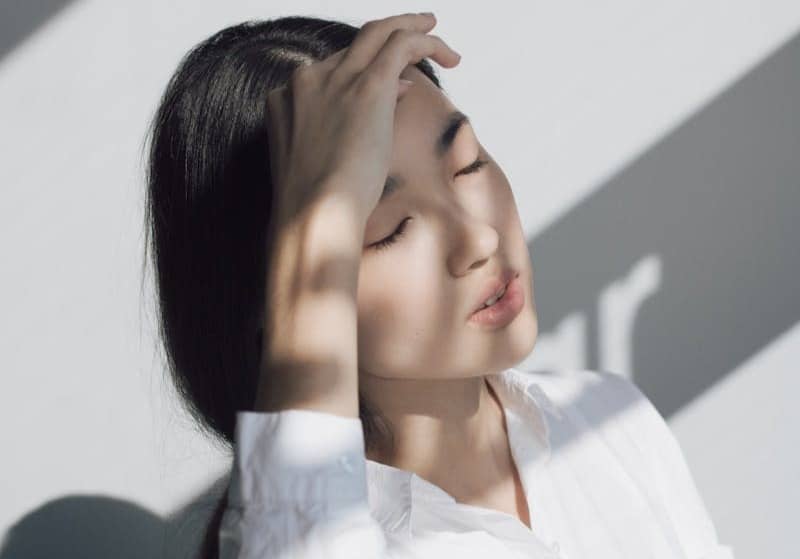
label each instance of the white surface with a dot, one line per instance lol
(562, 94)
(740, 439)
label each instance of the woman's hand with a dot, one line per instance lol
(330, 134)
(330, 129)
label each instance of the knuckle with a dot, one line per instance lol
(410, 42)
(370, 25)
(439, 41)
(387, 21)
(431, 44)
(398, 19)
(398, 22)
(401, 36)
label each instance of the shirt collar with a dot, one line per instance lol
(524, 395)
(392, 490)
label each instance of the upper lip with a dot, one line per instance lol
(493, 285)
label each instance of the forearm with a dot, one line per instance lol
(298, 490)
(310, 335)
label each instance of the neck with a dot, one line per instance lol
(450, 432)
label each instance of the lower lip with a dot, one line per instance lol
(504, 310)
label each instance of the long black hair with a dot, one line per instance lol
(207, 210)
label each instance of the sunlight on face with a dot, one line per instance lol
(459, 228)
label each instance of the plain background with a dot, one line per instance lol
(654, 151)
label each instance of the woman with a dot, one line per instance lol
(344, 288)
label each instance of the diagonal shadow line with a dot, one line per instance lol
(718, 200)
(21, 19)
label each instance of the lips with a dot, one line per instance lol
(493, 286)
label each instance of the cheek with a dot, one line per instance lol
(395, 303)
(400, 311)
(499, 198)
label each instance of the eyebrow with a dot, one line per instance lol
(453, 123)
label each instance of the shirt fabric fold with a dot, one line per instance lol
(603, 475)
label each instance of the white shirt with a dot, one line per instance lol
(603, 475)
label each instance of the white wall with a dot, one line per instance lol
(652, 147)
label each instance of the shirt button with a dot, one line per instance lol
(344, 461)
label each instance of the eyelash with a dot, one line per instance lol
(473, 167)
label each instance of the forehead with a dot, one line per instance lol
(426, 129)
(421, 111)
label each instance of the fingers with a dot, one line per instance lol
(372, 36)
(407, 47)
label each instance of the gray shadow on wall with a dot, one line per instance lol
(99, 527)
(186, 527)
(84, 527)
(718, 201)
(19, 20)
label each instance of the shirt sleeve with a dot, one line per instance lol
(672, 477)
(298, 489)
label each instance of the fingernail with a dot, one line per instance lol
(430, 14)
(406, 82)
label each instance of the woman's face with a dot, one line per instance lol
(415, 295)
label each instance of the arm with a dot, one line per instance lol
(298, 485)
(298, 489)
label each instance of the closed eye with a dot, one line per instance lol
(473, 167)
(391, 238)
